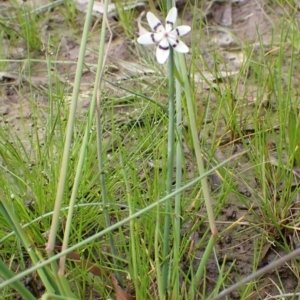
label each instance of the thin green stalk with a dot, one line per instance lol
(177, 220)
(131, 225)
(61, 281)
(83, 152)
(170, 4)
(223, 274)
(200, 271)
(157, 238)
(170, 171)
(200, 164)
(170, 162)
(104, 196)
(99, 137)
(69, 134)
(196, 144)
(117, 225)
(50, 92)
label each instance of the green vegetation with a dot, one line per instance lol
(112, 187)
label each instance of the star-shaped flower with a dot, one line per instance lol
(165, 36)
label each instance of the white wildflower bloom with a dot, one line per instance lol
(165, 36)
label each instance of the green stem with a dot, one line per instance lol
(157, 238)
(196, 144)
(69, 135)
(99, 135)
(131, 225)
(170, 4)
(50, 92)
(177, 221)
(76, 183)
(170, 171)
(200, 271)
(201, 170)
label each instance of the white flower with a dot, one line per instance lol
(165, 36)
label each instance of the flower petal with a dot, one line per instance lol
(154, 23)
(150, 38)
(178, 45)
(180, 30)
(171, 19)
(163, 51)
